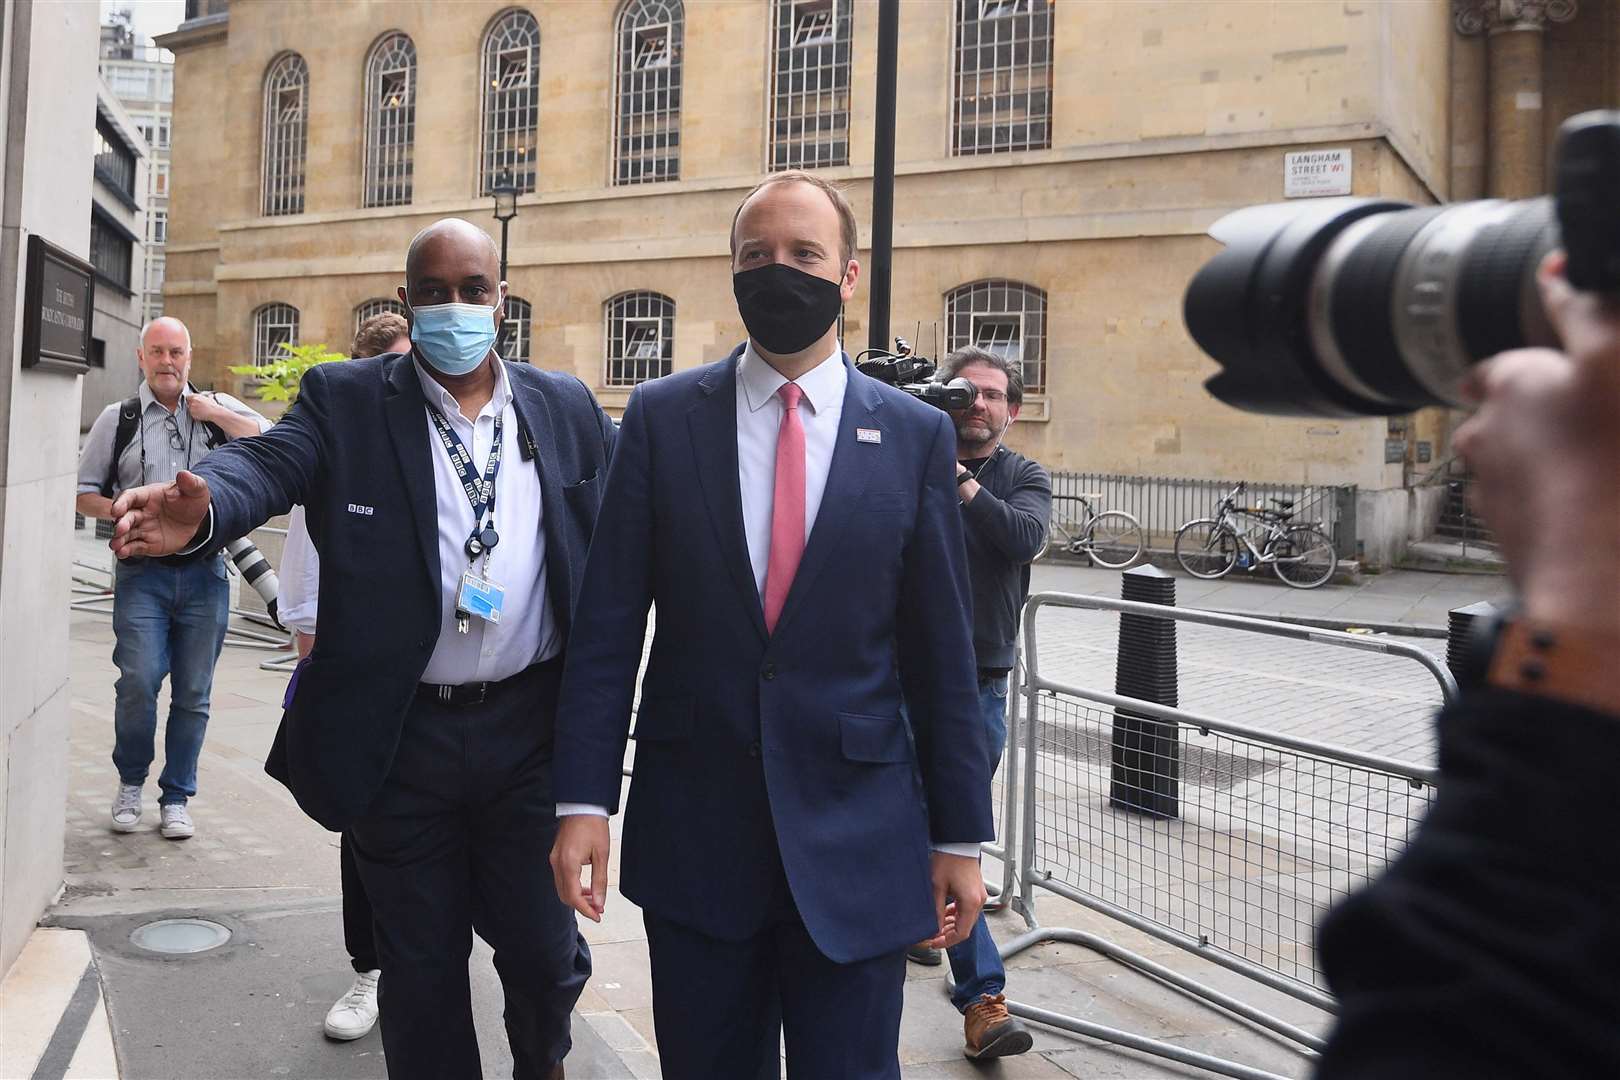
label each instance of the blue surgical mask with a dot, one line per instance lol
(453, 338)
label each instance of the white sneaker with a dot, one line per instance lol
(126, 808)
(355, 1013)
(176, 822)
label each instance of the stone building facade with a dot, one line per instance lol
(1058, 166)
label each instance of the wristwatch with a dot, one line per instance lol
(963, 477)
(1581, 667)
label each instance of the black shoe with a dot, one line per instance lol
(926, 955)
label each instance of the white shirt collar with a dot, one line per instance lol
(822, 384)
(445, 401)
(149, 399)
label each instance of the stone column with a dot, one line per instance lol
(1516, 154)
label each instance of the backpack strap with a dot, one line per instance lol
(213, 435)
(129, 422)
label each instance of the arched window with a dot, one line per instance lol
(513, 343)
(1006, 317)
(640, 338)
(810, 83)
(390, 121)
(647, 86)
(274, 325)
(511, 117)
(1003, 78)
(378, 306)
(286, 131)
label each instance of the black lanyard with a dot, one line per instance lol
(480, 491)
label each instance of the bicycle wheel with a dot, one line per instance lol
(1114, 540)
(1305, 557)
(1206, 549)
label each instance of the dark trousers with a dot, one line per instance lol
(459, 840)
(358, 936)
(721, 1008)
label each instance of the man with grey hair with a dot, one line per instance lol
(168, 619)
(1006, 506)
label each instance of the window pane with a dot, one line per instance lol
(274, 325)
(810, 83)
(1003, 80)
(511, 95)
(640, 338)
(647, 114)
(390, 122)
(1007, 318)
(286, 92)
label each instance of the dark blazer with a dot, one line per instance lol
(358, 437)
(1488, 948)
(746, 744)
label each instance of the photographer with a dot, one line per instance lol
(1487, 949)
(1006, 507)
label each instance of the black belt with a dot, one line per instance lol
(476, 693)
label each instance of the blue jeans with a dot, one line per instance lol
(168, 620)
(975, 963)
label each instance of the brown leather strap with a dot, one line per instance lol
(1576, 666)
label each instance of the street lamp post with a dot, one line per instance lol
(506, 193)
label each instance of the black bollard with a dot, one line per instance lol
(1146, 773)
(1461, 623)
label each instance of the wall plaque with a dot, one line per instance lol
(1310, 173)
(59, 295)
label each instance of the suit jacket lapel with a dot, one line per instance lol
(852, 464)
(534, 417)
(713, 424)
(407, 427)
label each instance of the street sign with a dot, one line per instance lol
(58, 303)
(1312, 173)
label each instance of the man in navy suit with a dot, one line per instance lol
(788, 832)
(451, 497)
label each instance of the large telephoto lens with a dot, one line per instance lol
(1366, 307)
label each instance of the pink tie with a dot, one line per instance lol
(787, 508)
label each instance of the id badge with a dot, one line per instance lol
(480, 598)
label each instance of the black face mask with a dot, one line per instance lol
(785, 309)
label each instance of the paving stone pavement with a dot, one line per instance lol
(253, 1008)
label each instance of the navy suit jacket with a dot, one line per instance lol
(794, 745)
(357, 437)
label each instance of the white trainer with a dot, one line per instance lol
(126, 808)
(355, 1013)
(176, 822)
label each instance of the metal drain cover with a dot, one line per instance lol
(179, 936)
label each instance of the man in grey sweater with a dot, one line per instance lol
(1006, 508)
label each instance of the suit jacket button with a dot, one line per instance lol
(753, 750)
(769, 672)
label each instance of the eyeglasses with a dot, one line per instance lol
(992, 396)
(172, 423)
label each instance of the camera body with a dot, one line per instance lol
(914, 374)
(1371, 307)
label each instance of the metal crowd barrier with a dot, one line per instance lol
(1269, 831)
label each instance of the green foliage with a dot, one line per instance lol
(279, 379)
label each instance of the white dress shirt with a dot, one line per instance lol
(527, 632)
(759, 421)
(299, 576)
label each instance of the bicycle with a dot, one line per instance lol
(1110, 539)
(1300, 553)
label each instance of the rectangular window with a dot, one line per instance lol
(110, 252)
(159, 230)
(1003, 77)
(155, 268)
(115, 161)
(162, 133)
(1000, 334)
(166, 93)
(652, 47)
(813, 22)
(160, 178)
(512, 69)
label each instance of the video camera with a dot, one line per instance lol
(1370, 307)
(916, 375)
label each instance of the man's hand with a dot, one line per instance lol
(159, 519)
(204, 408)
(582, 840)
(956, 878)
(965, 489)
(1545, 450)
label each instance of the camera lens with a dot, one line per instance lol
(1366, 307)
